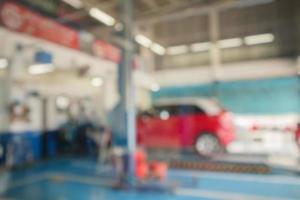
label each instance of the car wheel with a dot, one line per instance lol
(208, 145)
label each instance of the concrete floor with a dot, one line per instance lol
(78, 179)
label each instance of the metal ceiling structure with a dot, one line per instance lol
(187, 22)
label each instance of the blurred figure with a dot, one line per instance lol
(81, 136)
(66, 135)
(102, 137)
(105, 145)
(18, 147)
(19, 151)
(19, 118)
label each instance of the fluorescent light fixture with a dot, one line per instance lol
(230, 43)
(102, 16)
(97, 82)
(198, 47)
(176, 50)
(119, 26)
(38, 69)
(250, 3)
(155, 87)
(259, 39)
(3, 63)
(74, 3)
(143, 40)
(158, 49)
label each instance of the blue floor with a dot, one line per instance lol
(78, 179)
(49, 190)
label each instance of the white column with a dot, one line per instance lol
(214, 34)
(4, 102)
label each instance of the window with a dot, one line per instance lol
(191, 109)
(172, 109)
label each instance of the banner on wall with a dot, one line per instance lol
(18, 18)
(21, 19)
(105, 50)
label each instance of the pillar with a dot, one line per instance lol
(215, 58)
(126, 85)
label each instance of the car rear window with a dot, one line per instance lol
(172, 109)
(190, 109)
(177, 109)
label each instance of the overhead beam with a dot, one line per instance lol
(197, 11)
(189, 12)
(214, 34)
(172, 7)
(107, 5)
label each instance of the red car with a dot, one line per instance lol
(177, 124)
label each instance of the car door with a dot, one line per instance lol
(192, 119)
(146, 124)
(169, 126)
(161, 128)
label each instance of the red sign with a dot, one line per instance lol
(107, 51)
(21, 19)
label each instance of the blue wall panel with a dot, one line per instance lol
(265, 96)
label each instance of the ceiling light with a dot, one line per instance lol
(250, 3)
(102, 17)
(119, 27)
(143, 40)
(38, 69)
(97, 82)
(158, 49)
(155, 87)
(230, 43)
(175, 50)
(74, 3)
(3, 63)
(198, 47)
(259, 39)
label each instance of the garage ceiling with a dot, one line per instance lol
(146, 11)
(184, 22)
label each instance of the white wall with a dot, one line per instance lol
(3, 105)
(64, 58)
(238, 71)
(65, 80)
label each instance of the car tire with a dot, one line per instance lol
(208, 145)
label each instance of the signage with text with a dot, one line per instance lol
(21, 19)
(107, 51)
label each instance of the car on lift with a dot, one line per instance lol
(201, 124)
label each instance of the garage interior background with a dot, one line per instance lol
(238, 74)
(245, 53)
